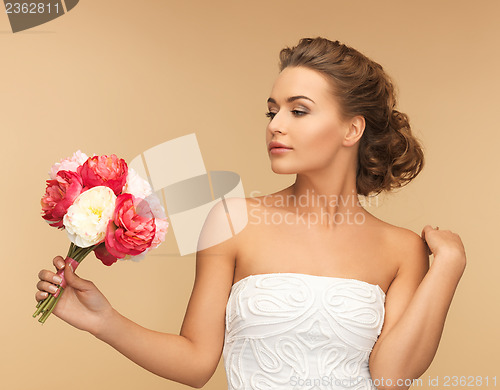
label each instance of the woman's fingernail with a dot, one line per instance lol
(57, 279)
(53, 288)
(61, 265)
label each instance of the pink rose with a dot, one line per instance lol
(161, 232)
(132, 229)
(109, 171)
(160, 220)
(161, 224)
(136, 185)
(59, 196)
(68, 164)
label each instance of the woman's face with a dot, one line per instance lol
(304, 116)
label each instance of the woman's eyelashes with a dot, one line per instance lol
(297, 113)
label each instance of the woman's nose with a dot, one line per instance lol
(276, 126)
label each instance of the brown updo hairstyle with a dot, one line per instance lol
(389, 156)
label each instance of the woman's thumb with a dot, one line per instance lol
(73, 280)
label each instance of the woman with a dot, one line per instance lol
(314, 290)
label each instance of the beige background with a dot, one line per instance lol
(121, 76)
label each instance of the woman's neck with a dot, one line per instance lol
(331, 203)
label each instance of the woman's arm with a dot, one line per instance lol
(190, 357)
(406, 348)
(170, 356)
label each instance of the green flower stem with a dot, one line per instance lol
(44, 312)
(42, 307)
(47, 313)
(70, 250)
(40, 303)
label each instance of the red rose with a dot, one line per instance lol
(132, 229)
(109, 171)
(102, 254)
(59, 195)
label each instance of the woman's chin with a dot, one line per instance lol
(283, 170)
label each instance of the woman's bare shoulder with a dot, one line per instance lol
(394, 232)
(403, 243)
(235, 213)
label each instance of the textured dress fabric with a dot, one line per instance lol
(300, 331)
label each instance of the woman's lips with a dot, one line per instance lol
(279, 150)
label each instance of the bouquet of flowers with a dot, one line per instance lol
(105, 207)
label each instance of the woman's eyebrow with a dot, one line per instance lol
(291, 99)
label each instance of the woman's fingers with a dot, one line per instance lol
(49, 279)
(49, 276)
(427, 229)
(46, 286)
(41, 295)
(58, 262)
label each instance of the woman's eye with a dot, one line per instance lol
(295, 112)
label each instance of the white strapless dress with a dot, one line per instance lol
(300, 331)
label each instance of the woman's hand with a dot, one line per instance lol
(81, 304)
(446, 245)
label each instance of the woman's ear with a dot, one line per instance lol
(355, 129)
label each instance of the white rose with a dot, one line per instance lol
(87, 218)
(136, 185)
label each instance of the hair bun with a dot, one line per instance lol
(399, 120)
